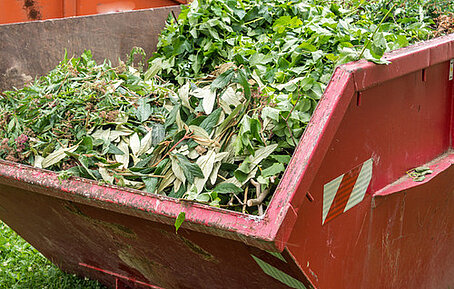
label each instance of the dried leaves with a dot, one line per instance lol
(445, 24)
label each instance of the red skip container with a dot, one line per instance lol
(345, 215)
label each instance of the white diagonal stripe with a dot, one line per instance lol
(329, 191)
(279, 275)
(362, 182)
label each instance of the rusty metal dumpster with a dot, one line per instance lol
(345, 215)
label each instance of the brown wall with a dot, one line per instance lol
(31, 49)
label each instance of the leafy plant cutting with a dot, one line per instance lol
(218, 113)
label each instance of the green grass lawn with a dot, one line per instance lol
(21, 266)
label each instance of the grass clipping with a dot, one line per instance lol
(219, 111)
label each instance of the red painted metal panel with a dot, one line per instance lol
(403, 120)
(93, 241)
(87, 7)
(69, 8)
(29, 10)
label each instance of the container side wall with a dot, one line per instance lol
(414, 248)
(104, 245)
(399, 124)
(32, 49)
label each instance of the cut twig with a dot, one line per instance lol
(259, 200)
(238, 199)
(125, 174)
(130, 92)
(293, 107)
(245, 199)
(260, 197)
(229, 206)
(159, 78)
(221, 177)
(230, 203)
(185, 137)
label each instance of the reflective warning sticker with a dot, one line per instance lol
(346, 191)
(279, 274)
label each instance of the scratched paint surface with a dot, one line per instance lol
(110, 246)
(399, 236)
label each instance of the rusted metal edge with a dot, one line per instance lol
(403, 61)
(309, 155)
